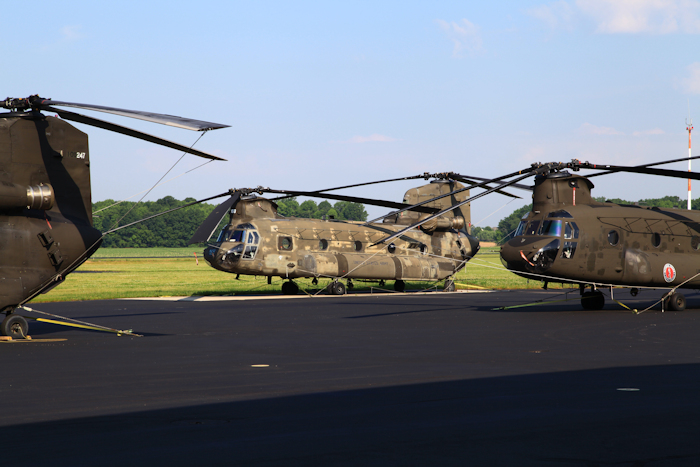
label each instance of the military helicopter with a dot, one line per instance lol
(46, 228)
(259, 241)
(568, 237)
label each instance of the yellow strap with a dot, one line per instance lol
(92, 328)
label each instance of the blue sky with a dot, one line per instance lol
(321, 94)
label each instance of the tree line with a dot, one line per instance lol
(176, 228)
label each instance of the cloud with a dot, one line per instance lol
(655, 131)
(557, 15)
(588, 129)
(71, 33)
(643, 16)
(692, 83)
(370, 139)
(465, 35)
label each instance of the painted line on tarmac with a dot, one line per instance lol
(290, 297)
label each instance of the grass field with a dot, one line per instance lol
(161, 272)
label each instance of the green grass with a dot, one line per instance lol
(161, 272)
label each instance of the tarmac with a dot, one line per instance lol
(387, 379)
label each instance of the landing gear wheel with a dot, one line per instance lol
(399, 286)
(14, 326)
(336, 288)
(676, 302)
(449, 286)
(593, 300)
(290, 288)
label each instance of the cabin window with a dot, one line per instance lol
(391, 248)
(560, 213)
(656, 239)
(613, 237)
(285, 243)
(358, 245)
(323, 244)
(532, 228)
(568, 250)
(551, 228)
(695, 242)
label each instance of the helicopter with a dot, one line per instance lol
(258, 241)
(46, 228)
(569, 237)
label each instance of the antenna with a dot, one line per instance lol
(689, 127)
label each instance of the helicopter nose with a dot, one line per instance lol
(529, 254)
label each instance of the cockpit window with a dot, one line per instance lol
(551, 228)
(571, 230)
(231, 236)
(520, 229)
(532, 228)
(560, 213)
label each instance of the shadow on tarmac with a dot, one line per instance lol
(630, 416)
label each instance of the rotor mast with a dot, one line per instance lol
(689, 127)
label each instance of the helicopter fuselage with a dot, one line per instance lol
(258, 241)
(569, 237)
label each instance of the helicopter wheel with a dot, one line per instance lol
(399, 286)
(593, 300)
(449, 286)
(14, 326)
(336, 288)
(290, 288)
(676, 302)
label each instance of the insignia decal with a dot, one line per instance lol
(669, 272)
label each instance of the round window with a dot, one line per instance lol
(358, 245)
(613, 237)
(323, 244)
(391, 248)
(656, 239)
(695, 242)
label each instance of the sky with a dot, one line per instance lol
(324, 94)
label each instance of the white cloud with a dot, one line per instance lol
(589, 129)
(643, 16)
(465, 35)
(71, 33)
(655, 131)
(557, 15)
(692, 83)
(371, 138)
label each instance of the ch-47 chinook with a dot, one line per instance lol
(46, 228)
(259, 241)
(568, 237)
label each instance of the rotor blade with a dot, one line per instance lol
(128, 131)
(454, 206)
(171, 120)
(648, 165)
(464, 179)
(470, 179)
(645, 170)
(206, 229)
(353, 199)
(412, 177)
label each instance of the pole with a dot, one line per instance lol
(689, 127)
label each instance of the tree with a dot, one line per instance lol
(510, 223)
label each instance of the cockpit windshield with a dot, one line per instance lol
(551, 228)
(231, 236)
